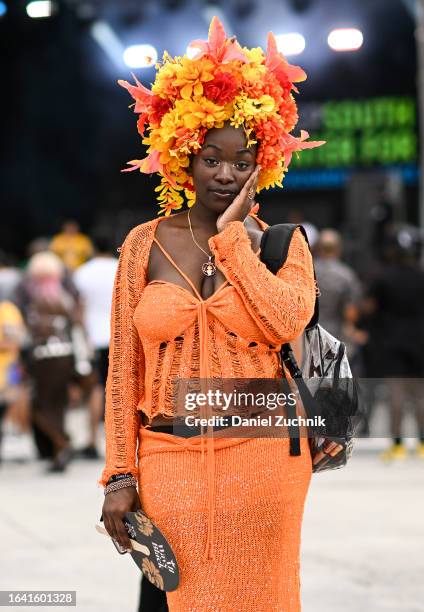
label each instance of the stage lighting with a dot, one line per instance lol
(3, 9)
(107, 39)
(40, 8)
(191, 52)
(140, 56)
(290, 44)
(345, 39)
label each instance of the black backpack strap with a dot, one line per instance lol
(275, 244)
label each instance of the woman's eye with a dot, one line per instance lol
(210, 161)
(242, 165)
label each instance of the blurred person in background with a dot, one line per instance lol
(395, 300)
(10, 276)
(38, 245)
(12, 334)
(94, 281)
(340, 289)
(340, 295)
(49, 313)
(81, 384)
(72, 246)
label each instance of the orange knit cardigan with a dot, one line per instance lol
(265, 309)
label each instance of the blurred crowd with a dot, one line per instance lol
(54, 338)
(55, 322)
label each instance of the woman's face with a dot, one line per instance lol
(222, 166)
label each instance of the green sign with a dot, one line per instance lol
(364, 133)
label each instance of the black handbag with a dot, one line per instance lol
(324, 379)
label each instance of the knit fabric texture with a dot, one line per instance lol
(234, 519)
(260, 490)
(160, 330)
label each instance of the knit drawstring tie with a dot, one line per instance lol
(210, 452)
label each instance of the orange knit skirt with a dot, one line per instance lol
(259, 496)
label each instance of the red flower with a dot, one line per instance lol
(288, 113)
(158, 108)
(141, 122)
(221, 89)
(268, 134)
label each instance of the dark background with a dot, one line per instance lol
(67, 130)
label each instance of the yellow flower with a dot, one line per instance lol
(177, 162)
(190, 76)
(252, 108)
(263, 106)
(156, 141)
(203, 113)
(271, 177)
(255, 55)
(169, 199)
(248, 130)
(165, 80)
(252, 72)
(190, 197)
(169, 124)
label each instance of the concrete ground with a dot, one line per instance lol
(362, 539)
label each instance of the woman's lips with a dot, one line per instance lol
(223, 195)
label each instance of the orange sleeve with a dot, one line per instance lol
(125, 381)
(282, 304)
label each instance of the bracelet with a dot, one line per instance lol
(117, 477)
(121, 484)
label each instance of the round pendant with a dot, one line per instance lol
(209, 268)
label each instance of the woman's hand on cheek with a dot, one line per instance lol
(242, 204)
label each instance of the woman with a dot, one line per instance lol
(394, 306)
(193, 300)
(49, 312)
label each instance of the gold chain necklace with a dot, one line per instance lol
(209, 267)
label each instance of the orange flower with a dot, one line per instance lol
(292, 144)
(288, 112)
(190, 76)
(220, 48)
(222, 82)
(277, 64)
(186, 141)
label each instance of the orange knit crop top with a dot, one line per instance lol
(160, 331)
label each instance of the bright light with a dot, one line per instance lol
(40, 8)
(104, 35)
(290, 44)
(345, 39)
(140, 56)
(3, 9)
(191, 52)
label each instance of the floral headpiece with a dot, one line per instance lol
(221, 82)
